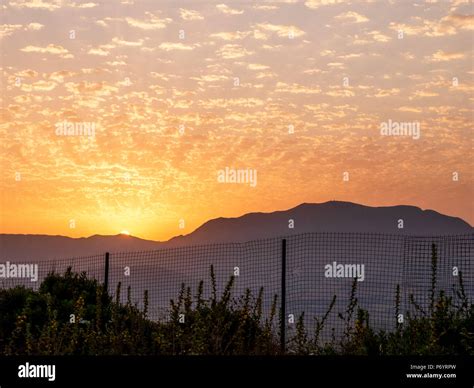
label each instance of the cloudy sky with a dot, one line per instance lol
(178, 90)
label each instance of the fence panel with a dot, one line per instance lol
(319, 267)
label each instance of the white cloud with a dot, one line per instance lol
(262, 7)
(232, 51)
(49, 49)
(235, 35)
(153, 22)
(351, 17)
(210, 78)
(39, 86)
(442, 56)
(127, 43)
(87, 5)
(257, 66)
(168, 46)
(98, 51)
(315, 4)
(34, 26)
(37, 4)
(447, 26)
(189, 14)
(294, 88)
(379, 37)
(9, 29)
(50, 5)
(281, 30)
(225, 9)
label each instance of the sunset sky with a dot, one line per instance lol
(178, 90)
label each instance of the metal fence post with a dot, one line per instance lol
(106, 273)
(283, 297)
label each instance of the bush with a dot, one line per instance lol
(39, 323)
(446, 329)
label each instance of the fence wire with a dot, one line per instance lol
(319, 267)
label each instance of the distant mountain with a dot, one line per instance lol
(330, 216)
(38, 246)
(333, 216)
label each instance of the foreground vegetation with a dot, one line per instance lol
(72, 315)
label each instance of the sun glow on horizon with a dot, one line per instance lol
(116, 128)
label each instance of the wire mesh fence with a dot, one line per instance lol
(319, 266)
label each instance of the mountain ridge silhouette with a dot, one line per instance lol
(331, 216)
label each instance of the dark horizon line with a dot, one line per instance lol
(230, 218)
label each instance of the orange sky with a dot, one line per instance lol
(176, 93)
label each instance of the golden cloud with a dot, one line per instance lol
(84, 87)
(295, 88)
(257, 66)
(153, 22)
(9, 29)
(315, 4)
(410, 109)
(463, 22)
(39, 86)
(98, 51)
(59, 76)
(49, 49)
(282, 31)
(168, 46)
(233, 51)
(126, 43)
(189, 14)
(225, 9)
(229, 36)
(387, 92)
(379, 37)
(442, 56)
(352, 17)
(448, 25)
(37, 4)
